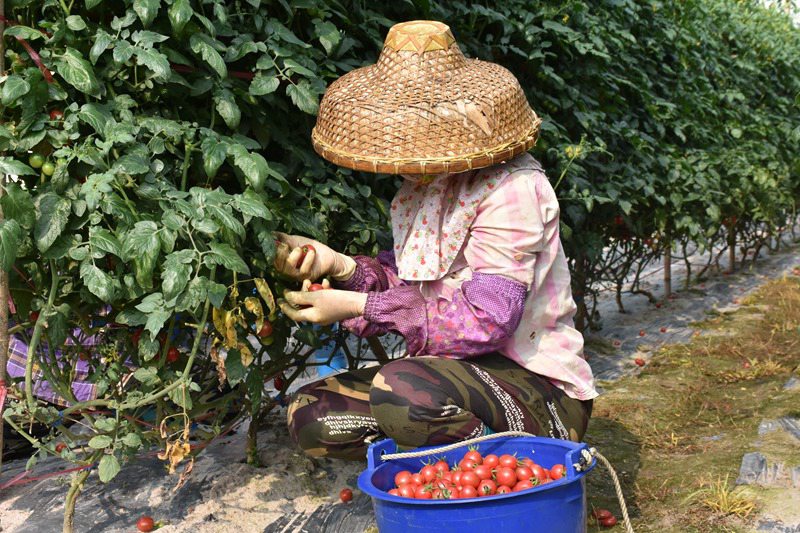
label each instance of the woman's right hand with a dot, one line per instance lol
(314, 262)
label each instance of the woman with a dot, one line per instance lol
(477, 282)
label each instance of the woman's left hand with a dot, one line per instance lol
(324, 306)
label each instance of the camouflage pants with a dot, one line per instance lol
(429, 400)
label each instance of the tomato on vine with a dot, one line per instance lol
(173, 355)
(36, 161)
(266, 329)
(56, 115)
(48, 168)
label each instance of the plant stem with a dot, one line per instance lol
(72, 498)
(37, 335)
(4, 293)
(187, 159)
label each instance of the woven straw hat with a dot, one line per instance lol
(424, 108)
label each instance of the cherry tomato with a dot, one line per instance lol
(266, 329)
(402, 478)
(483, 471)
(527, 461)
(491, 460)
(508, 461)
(314, 287)
(394, 492)
(538, 472)
(600, 514)
(456, 477)
(423, 492)
(36, 161)
(502, 489)
(173, 355)
(428, 473)
(474, 456)
(523, 473)
(303, 254)
(48, 168)
(34, 316)
(84, 356)
(345, 495)
(466, 464)
(145, 524)
(441, 466)
(56, 115)
(279, 382)
(60, 447)
(523, 485)
(557, 472)
(610, 521)
(468, 491)
(470, 478)
(639, 361)
(506, 476)
(487, 487)
(406, 490)
(417, 479)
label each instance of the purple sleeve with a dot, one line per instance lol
(481, 317)
(372, 274)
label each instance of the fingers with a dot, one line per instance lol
(325, 284)
(299, 298)
(307, 256)
(298, 315)
(306, 285)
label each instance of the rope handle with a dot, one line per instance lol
(586, 461)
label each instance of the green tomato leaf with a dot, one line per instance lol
(262, 85)
(52, 214)
(142, 246)
(154, 60)
(234, 368)
(303, 97)
(108, 468)
(147, 375)
(15, 168)
(214, 154)
(18, 205)
(102, 40)
(10, 234)
(146, 10)
(76, 23)
(201, 44)
(98, 282)
(251, 204)
(227, 108)
(29, 34)
(226, 256)
(174, 277)
(78, 72)
(13, 88)
(179, 14)
(100, 442)
(132, 440)
(181, 397)
(328, 35)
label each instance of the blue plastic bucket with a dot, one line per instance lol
(556, 507)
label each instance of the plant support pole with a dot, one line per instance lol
(4, 294)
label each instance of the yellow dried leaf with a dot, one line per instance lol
(253, 305)
(266, 294)
(218, 316)
(231, 339)
(222, 374)
(245, 354)
(175, 453)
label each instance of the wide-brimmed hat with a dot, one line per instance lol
(424, 108)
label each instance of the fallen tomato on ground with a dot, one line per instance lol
(345, 495)
(145, 524)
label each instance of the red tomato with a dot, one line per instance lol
(279, 382)
(266, 329)
(466, 464)
(441, 466)
(394, 492)
(557, 472)
(639, 361)
(145, 524)
(60, 447)
(34, 316)
(470, 479)
(402, 477)
(502, 489)
(468, 492)
(527, 461)
(506, 476)
(487, 487)
(600, 514)
(314, 287)
(491, 460)
(523, 485)
(417, 479)
(428, 473)
(406, 490)
(483, 471)
(456, 477)
(303, 254)
(611, 521)
(84, 356)
(423, 492)
(173, 355)
(474, 456)
(508, 461)
(446, 476)
(442, 484)
(538, 472)
(56, 115)
(523, 473)
(345, 495)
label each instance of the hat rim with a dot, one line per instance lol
(437, 165)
